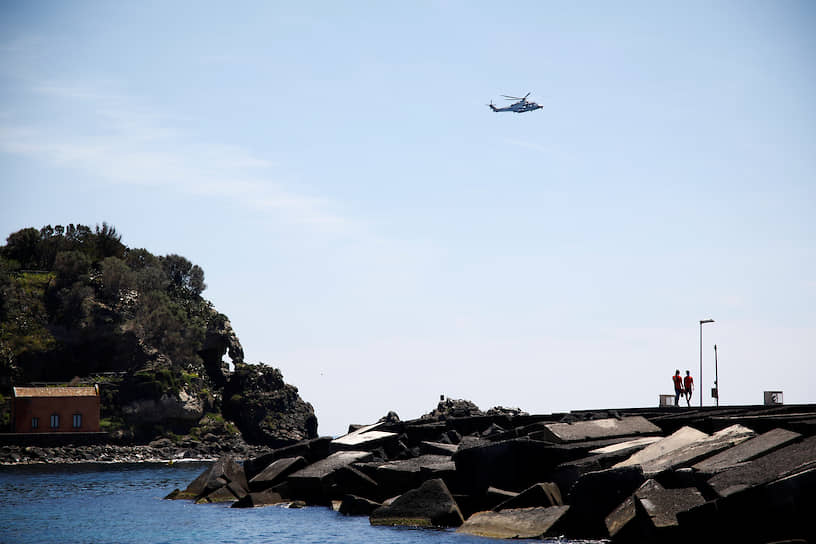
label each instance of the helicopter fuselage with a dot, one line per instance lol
(522, 106)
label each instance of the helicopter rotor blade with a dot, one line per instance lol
(511, 97)
(526, 95)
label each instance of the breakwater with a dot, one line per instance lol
(727, 474)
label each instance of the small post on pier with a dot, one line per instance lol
(716, 377)
(702, 321)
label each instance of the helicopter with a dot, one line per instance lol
(523, 105)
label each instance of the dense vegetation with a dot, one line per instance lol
(73, 282)
(77, 304)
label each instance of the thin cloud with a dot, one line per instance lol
(126, 143)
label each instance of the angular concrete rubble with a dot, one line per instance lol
(646, 475)
(679, 439)
(765, 469)
(746, 451)
(699, 449)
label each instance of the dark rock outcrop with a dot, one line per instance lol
(265, 408)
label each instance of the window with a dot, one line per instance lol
(35, 423)
(55, 421)
(77, 421)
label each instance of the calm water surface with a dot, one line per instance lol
(123, 504)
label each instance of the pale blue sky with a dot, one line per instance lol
(375, 231)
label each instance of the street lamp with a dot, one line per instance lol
(699, 387)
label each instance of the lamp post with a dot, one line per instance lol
(701, 359)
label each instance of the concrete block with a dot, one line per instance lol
(350, 481)
(353, 505)
(689, 453)
(662, 505)
(488, 500)
(511, 464)
(430, 505)
(599, 428)
(680, 438)
(634, 444)
(364, 438)
(765, 469)
(261, 498)
(396, 477)
(276, 472)
(746, 451)
(536, 522)
(437, 448)
(313, 482)
(650, 514)
(313, 450)
(621, 518)
(595, 495)
(222, 494)
(543, 494)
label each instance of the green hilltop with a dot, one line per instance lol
(77, 305)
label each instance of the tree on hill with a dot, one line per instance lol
(76, 301)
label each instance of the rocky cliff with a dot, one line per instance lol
(77, 305)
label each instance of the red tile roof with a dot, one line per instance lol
(55, 392)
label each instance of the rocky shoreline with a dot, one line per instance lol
(162, 450)
(730, 474)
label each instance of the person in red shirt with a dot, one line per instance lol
(688, 386)
(678, 387)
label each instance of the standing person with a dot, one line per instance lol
(678, 387)
(688, 385)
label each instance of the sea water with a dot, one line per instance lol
(117, 503)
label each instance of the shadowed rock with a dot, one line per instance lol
(225, 471)
(777, 511)
(312, 450)
(511, 464)
(431, 505)
(437, 448)
(536, 522)
(396, 477)
(658, 509)
(595, 495)
(261, 498)
(765, 469)
(313, 482)
(543, 494)
(222, 494)
(350, 481)
(353, 505)
(488, 500)
(566, 474)
(276, 472)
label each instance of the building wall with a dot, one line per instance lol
(27, 408)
